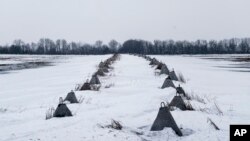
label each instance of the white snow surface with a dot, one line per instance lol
(133, 99)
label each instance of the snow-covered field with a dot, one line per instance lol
(133, 99)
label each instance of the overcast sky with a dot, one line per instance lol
(91, 20)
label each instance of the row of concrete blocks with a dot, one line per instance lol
(104, 67)
(164, 117)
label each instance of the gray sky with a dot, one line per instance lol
(91, 20)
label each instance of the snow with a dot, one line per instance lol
(133, 98)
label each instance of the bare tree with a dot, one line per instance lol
(113, 45)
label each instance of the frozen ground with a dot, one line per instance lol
(133, 99)
(10, 63)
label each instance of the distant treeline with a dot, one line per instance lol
(48, 46)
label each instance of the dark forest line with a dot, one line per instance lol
(61, 46)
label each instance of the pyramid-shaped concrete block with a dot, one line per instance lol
(164, 70)
(178, 102)
(85, 86)
(165, 119)
(94, 80)
(180, 91)
(159, 66)
(71, 97)
(62, 111)
(168, 83)
(173, 76)
(154, 62)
